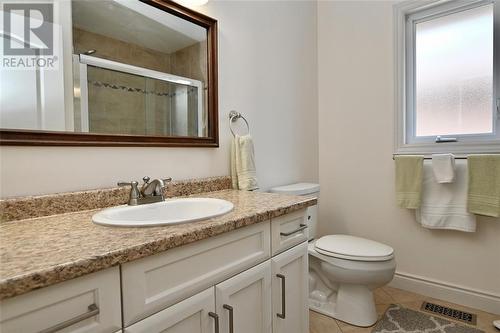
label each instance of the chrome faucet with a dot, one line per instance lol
(150, 191)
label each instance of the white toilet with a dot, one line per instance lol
(343, 269)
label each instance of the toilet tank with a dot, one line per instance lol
(305, 189)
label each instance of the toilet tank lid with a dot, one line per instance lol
(296, 189)
(354, 247)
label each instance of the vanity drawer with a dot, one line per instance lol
(156, 282)
(288, 230)
(90, 303)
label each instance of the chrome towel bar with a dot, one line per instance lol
(233, 117)
(427, 157)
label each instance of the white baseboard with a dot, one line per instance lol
(478, 299)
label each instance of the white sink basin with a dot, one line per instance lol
(168, 212)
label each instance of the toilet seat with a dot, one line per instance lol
(353, 248)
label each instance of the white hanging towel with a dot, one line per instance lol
(243, 172)
(444, 206)
(443, 166)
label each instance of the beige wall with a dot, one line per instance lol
(191, 62)
(356, 125)
(267, 71)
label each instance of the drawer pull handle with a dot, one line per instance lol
(299, 229)
(231, 318)
(216, 319)
(282, 315)
(93, 311)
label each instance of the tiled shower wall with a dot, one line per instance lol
(121, 111)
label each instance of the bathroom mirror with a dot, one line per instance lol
(114, 84)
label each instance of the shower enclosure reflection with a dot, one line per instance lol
(116, 98)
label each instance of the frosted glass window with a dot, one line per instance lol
(454, 73)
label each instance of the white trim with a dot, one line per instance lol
(401, 11)
(496, 59)
(446, 8)
(65, 20)
(479, 299)
(179, 25)
(84, 99)
(125, 68)
(463, 148)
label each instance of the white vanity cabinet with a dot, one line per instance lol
(240, 304)
(90, 303)
(156, 282)
(290, 288)
(252, 280)
(195, 314)
(224, 284)
(244, 301)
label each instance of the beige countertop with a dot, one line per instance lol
(39, 252)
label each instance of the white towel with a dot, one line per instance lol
(444, 206)
(243, 173)
(443, 166)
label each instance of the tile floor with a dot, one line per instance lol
(387, 295)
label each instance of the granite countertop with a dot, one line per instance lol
(39, 252)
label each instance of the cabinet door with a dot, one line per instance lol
(244, 301)
(193, 315)
(290, 291)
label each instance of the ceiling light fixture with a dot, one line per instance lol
(192, 3)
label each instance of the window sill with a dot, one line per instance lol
(449, 147)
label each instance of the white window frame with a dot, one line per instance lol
(406, 14)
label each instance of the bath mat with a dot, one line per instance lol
(398, 319)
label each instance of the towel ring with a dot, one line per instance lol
(233, 117)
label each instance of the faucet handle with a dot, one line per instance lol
(127, 183)
(134, 191)
(146, 179)
(167, 180)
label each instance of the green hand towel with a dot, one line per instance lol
(408, 181)
(484, 185)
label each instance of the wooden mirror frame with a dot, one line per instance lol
(15, 137)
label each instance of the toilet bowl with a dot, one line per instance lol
(343, 269)
(341, 284)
